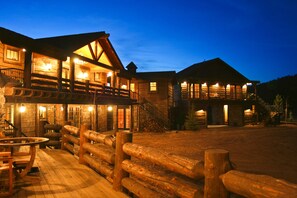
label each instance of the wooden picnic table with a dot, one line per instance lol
(22, 161)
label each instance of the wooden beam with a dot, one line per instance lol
(251, 185)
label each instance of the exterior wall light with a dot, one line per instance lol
(22, 108)
(109, 108)
(90, 109)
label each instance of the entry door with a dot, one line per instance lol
(124, 118)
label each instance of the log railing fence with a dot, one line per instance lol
(177, 176)
(70, 139)
(97, 150)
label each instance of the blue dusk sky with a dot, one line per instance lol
(256, 37)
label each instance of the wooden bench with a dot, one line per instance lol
(6, 174)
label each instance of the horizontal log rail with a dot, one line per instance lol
(251, 185)
(98, 151)
(177, 176)
(179, 164)
(70, 139)
(100, 137)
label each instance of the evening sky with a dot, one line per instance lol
(256, 37)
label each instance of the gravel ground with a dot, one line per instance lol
(260, 150)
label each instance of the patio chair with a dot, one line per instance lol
(6, 180)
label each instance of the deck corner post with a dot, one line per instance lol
(216, 163)
(120, 156)
(82, 139)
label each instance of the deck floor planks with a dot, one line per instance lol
(60, 175)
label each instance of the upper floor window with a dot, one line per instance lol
(153, 86)
(12, 54)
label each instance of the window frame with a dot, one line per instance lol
(12, 49)
(153, 86)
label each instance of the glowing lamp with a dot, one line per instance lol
(22, 109)
(90, 108)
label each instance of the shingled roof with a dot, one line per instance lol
(18, 40)
(212, 71)
(73, 42)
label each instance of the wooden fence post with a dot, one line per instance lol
(216, 163)
(83, 140)
(120, 156)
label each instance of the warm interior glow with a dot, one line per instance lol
(217, 84)
(90, 108)
(47, 67)
(83, 75)
(204, 84)
(42, 108)
(228, 86)
(109, 108)
(78, 61)
(124, 86)
(109, 74)
(184, 84)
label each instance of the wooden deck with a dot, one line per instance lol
(60, 175)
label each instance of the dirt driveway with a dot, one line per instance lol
(260, 150)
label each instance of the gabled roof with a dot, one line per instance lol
(18, 40)
(70, 43)
(215, 70)
(169, 75)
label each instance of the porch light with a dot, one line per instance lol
(109, 108)
(228, 86)
(22, 108)
(217, 84)
(24, 50)
(248, 84)
(90, 109)
(124, 86)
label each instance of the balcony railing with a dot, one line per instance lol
(52, 83)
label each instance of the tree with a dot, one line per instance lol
(278, 104)
(192, 122)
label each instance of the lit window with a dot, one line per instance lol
(132, 87)
(153, 86)
(12, 54)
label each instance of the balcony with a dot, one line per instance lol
(53, 89)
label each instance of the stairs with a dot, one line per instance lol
(156, 117)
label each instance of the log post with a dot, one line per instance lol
(216, 163)
(120, 156)
(63, 132)
(41, 132)
(83, 140)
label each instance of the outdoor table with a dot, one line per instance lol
(23, 166)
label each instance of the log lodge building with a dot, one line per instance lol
(80, 79)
